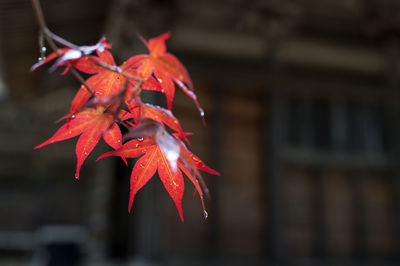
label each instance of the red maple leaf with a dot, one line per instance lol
(158, 114)
(106, 82)
(168, 156)
(90, 124)
(166, 68)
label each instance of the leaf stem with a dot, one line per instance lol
(137, 87)
(116, 69)
(123, 123)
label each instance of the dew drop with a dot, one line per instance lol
(202, 113)
(76, 177)
(140, 139)
(40, 59)
(73, 116)
(44, 49)
(205, 214)
(136, 145)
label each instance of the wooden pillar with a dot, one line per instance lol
(274, 129)
(213, 245)
(394, 111)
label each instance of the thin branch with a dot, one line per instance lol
(53, 38)
(50, 37)
(116, 69)
(78, 77)
(42, 23)
(39, 14)
(59, 39)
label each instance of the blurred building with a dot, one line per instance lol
(302, 105)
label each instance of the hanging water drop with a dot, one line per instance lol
(202, 113)
(205, 214)
(44, 49)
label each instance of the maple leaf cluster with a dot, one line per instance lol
(110, 99)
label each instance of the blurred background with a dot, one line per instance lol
(302, 106)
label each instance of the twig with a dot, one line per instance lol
(116, 69)
(59, 39)
(51, 38)
(137, 87)
(42, 23)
